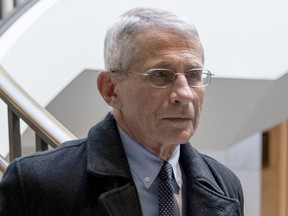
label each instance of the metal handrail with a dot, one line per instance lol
(3, 164)
(48, 128)
(20, 105)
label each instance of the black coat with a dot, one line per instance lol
(92, 177)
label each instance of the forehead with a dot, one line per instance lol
(165, 46)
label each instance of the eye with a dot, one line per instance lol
(160, 73)
(194, 74)
(160, 77)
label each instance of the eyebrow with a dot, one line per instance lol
(169, 65)
(163, 64)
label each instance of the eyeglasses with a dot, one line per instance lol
(163, 78)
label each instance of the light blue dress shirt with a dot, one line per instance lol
(145, 167)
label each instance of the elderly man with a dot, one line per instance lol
(138, 160)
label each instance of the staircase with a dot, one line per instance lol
(20, 105)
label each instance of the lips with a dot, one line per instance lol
(179, 116)
(178, 119)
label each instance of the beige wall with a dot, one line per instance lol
(275, 171)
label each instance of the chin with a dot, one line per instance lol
(186, 138)
(180, 140)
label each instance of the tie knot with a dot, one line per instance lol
(166, 171)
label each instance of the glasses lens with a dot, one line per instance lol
(206, 78)
(195, 77)
(160, 77)
(198, 77)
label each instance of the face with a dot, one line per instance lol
(158, 117)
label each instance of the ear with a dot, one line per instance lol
(106, 86)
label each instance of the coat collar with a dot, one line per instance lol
(106, 158)
(196, 169)
(206, 197)
(109, 158)
(106, 155)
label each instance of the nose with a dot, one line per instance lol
(181, 92)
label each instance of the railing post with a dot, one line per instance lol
(18, 3)
(41, 145)
(3, 164)
(14, 135)
(22, 106)
(6, 8)
(1, 10)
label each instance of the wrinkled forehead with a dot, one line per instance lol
(159, 42)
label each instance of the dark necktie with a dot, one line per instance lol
(167, 202)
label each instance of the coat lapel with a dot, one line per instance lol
(107, 161)
(121, 201)
(205, 195)
(204, 201)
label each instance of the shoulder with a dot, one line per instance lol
(42, 177)
(207, 164)
(226, 178)
(41, 165)
(69, 147)
(219, 170)
(200, 166)
(215, 164)
(62, 160)
(40, 168)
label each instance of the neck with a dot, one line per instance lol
(162, 151)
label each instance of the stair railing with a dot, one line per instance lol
(3, 164)
(49, 131)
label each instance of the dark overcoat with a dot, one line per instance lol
(92, 177)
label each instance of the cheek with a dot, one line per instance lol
(201, 100)
(200, 97)
(145, 103)
(198, 106)
(128, 96)
(133, 101)
(145, 106)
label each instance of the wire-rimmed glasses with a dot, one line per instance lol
(163, 78)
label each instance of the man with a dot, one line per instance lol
(138, 160)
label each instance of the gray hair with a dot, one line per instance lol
(119, 45)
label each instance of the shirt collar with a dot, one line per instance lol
(144, 163)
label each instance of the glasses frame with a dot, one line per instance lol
(207, 72)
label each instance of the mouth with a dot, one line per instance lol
(178, 119)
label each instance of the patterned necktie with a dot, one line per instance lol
(167, 202)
